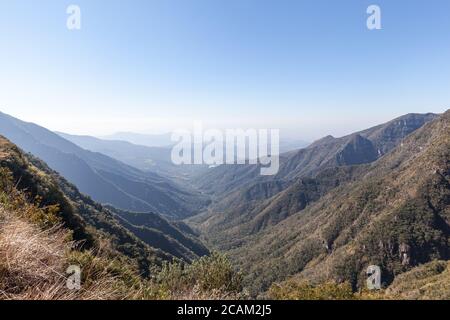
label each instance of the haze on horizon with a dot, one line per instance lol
(310, 68)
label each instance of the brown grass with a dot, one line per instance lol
(33, 264)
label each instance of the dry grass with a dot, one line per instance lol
(197, 293)
(33, 264)
(36, 249)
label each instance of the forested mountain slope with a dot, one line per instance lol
(106, 180)
(395, 215)
(61, 246)
(249, 203)
(357, 148)
(92, 222)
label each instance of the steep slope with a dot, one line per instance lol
(361, 147)
(395, 215)
(48, 237)
(236, 222)
(105, 179)
(162, 234)
(34, 260)
(91, 222)
(249, 203)
(430, 282)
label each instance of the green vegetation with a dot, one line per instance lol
(212, 276)
(39, 250)
(47, 225)
(147, 242)
(394, 212)
(320, 232)
(35, 251)
(428, 281)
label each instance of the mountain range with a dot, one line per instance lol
(147, 238)
(147, 159)
(105, 179)
(245, 202)
(380, 196)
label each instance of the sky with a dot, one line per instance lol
(310, 68)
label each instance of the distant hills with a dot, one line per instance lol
(148, 140)
(144, 158)
(358, 148)
(153, 159)
(105, 179)
(164, 140)
(245, 202)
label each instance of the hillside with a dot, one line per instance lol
(396, 214)
(158, 232)
(249, 211)
(47, 253)
(357, 148)
(105, 179)
(380, 196)
(247, 203)
(82, 215)
(33, 262)
(428, 281)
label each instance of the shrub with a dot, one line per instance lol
(210, 277)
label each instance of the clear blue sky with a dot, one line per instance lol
(309, 67)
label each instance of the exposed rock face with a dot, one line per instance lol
(357, 151)
(386, 137)
(324, 153)
(246, 203)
